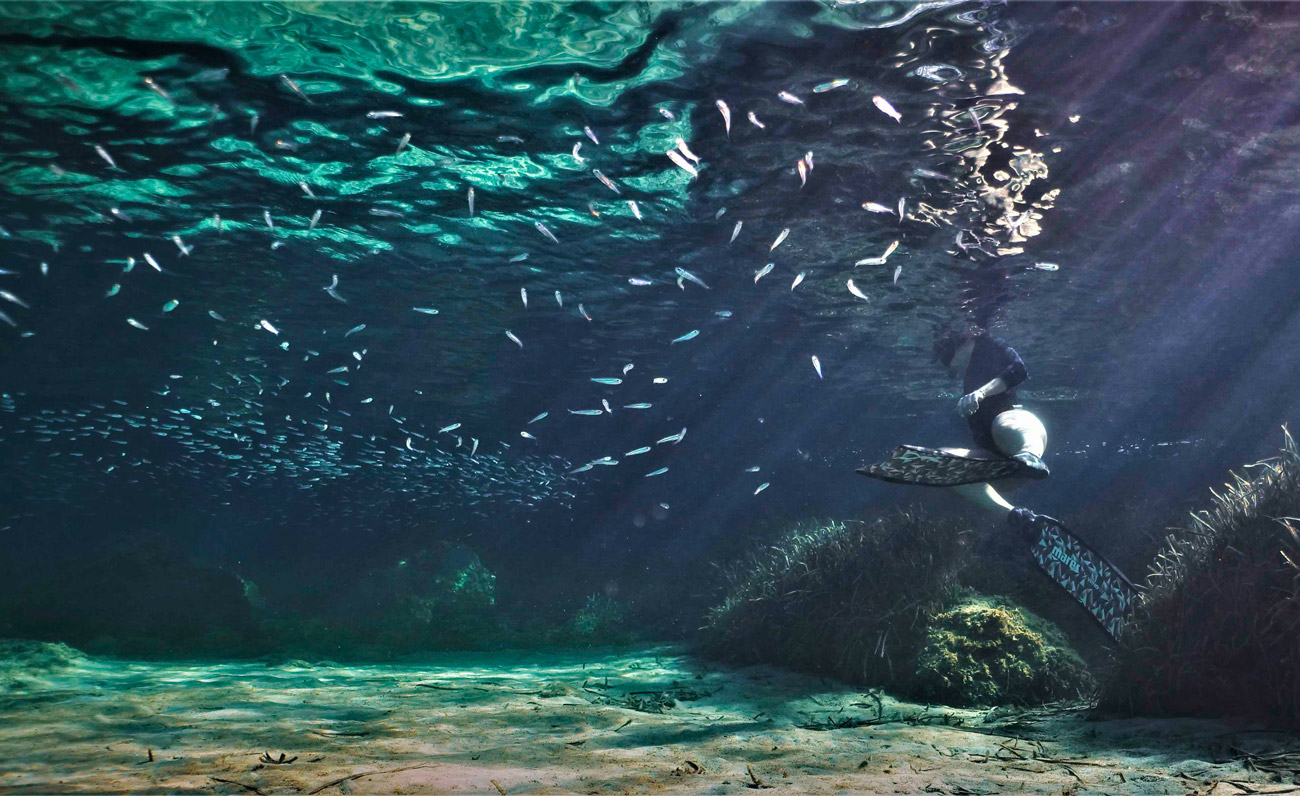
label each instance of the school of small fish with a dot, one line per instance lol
(692, 157)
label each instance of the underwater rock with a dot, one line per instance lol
(984, 652)
(1217, 632)
(441, 597)
(845, 599)
(143, 597)
(23, 662)
(601, 620)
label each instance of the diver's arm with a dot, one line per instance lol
(1011, 376)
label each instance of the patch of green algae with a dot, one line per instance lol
(985, 652)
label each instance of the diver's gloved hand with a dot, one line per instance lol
(970, 404)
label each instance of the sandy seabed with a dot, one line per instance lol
(637, 720)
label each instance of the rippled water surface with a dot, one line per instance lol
(226, 229)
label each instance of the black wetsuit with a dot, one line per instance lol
(992, 359)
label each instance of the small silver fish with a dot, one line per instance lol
(470, 198)
(685, 150)
(526, 435)
(112, 291)
(653, 473)
(798, 280)
(667, 114)
(636, 406)
(681, 163)
(761, 487)
(519, 258)
(134, 323)
(559, 299)
(779, 238)
(855, 291)
(576, 156)
(885, 108)
(690, 277)
(215, 316)
(660, 380)
(901, 203)
(803, 173)
(354, 330)
(754, 121)
(897, 271)
(817, 366)
(474, 449)
(726, 115)
(294, 88)
(449, 429)
(627, 367)
(103, 153)
(265, 324)
(514, 339)
(582, 310)
(543, 229)
(148, 258)
(1047, 266)
(587, 412)
(306, 189)
(168, 307)
(266, 216)
(638, 451)
(876, 207)
(606, 181)
(786, 96)
(216, 222)
(10, 297)
(736, 231)
(315, 217)
(636, 211)
(752, 469)
(406, 139)
(425, 310)
(838, 82)
(675, 438)
(614, 382)
(764, 271)
(535, 419)
(523, 296)
(383, 114)
(180, 244)
(691, 335)
(591, 135)
(608, 409)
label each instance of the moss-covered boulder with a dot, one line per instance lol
(442, 596)
(984, 651)
(845, 599)
(601, 620)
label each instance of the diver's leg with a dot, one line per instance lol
(984, 496)
(1020, 435)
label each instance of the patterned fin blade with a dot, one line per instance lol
(1092, 580)
(910, 464)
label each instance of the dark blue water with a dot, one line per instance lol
(1147, 151)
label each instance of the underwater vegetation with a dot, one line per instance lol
(986, 651)
(1218, 629)
(881, 603)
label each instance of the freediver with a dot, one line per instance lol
(992, 370)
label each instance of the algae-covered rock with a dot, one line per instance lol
(600, 620)
(439, 597)
(846, 599)
(23, 662)
(984, 652)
